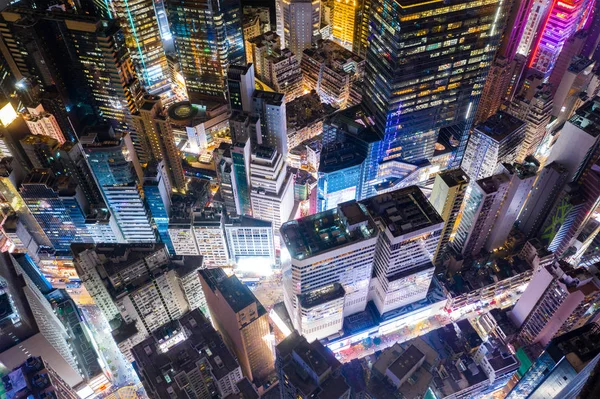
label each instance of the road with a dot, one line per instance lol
(122, 374)
(269, 291)
(406, 333)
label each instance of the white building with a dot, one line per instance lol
(497, 140)
(405, 248)
(332, 256)
(129, 212)
(272, 187)
(41, 122)
(250, 238)
(138, 287)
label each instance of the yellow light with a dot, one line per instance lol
(7, 115)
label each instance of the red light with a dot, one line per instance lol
(542, 34)
(565, 5)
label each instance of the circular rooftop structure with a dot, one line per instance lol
(182, 112)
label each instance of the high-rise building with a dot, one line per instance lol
(272, 193)
(344, 21)
(571, 90)
(200, 365)
(155, 133)
(331, 262)
(308, 369)
(497, 140)
(334, 72)
(36, 379)
(59, 207)
(480, 212)
(284, 73)
(495, 89)
(546, 189)
(447, 197)
(240, 82)
(44, 123)
(537, 11)
(411, 229)
(240, 155)
(157, 197)
(561, 362)
(199, 33)
(138, 288)
(140, 23)
(30, 326)
(298, 24)
(40, 150)
(564, 18)
(118, 174)
(428, 90)
(260, 48)
(271, 108)
(557, 300)
(536, 113)
(249, 238)
(571, 48)
(242, 322)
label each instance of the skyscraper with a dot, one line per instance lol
(59, 207)
(140, 23)
(447, 197)
(563, 19)
(344, 21)
(155, 133)
(421, 80)
(242, 322)
(240, 154)
(298, 24)
(197, 355)
(207, 41)
(332, 256)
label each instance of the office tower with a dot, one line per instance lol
(563, 20)
(272, 193)
(157, 197)
(538, 10)
(360, 41)
(480, 213)
(546, 189)
(308, 369)
(284, 73)
(332, 256)
(59, 207)
(411, 229)
(497, 140)
(29, 325)
(557, 300)
(252, 28)
(522, 177)
(224, 170)
(240, 82)
(200, 25)
(352, 126)
(339, 175)
(571, 48)
(140, 23)
(35, 379)
(344, 22)
(200, 365)
(137, 287)
(580, 129)
(572, 89)
(448, 88)
(495, 89)
(11, 177)
(155, 133)
(561, 362)
(447, 197)
(240, 155)
(40, 150)
(250, 239)
(271, 108)
(43, 123)
(243, 126)
(242, 322)
(118, 174)
(260, 47)
(333, 72)
(298, 24)
(536, 113)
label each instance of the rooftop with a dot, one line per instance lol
(315, 234)
(587, 117)
(454, 177)
(406, 362)
(403, 211)
(237, 294)
(500, 125)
